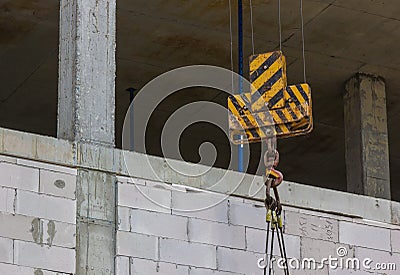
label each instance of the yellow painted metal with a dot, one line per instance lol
(246, 126)
(268, 79)
(296, 117)
(268, 217)
(289, 111)
(280, 222)
(272, 174)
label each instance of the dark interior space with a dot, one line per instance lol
(153, 37)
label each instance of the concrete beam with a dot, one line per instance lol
(86, 88)
(86, 116)
(367, 149)
(43, 152)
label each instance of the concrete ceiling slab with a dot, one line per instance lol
(353, 35)
(24, 57)
(34, 106)
(387, 8)
(342, 38)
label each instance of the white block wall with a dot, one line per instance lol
(37, 218)
(160, 233)
(155, 235)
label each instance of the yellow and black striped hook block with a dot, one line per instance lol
(272, 107)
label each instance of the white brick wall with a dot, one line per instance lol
(6, 250)
(137, 245)
(20, 177)
(339, 271)
(395, 240)
(365, 236)
(256, 242)
(227, 238)
(16, 226)
(310, 226)
(7, 198)
(247, 214)
(57, 184)
(216, 233)
(21, 227)
(38, 256)
(10, 269)
(43, 206)
(37, 218)
(143, 197)
(200, 205)
(192, 254)
(318, 249)
(204, 271)
(122, 265)
(64, 233)
(376, 256)
(148, 267)
(159, 224)
(240, 261)
(166, 231)
(124, 218)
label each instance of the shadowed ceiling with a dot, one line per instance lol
(342, 38)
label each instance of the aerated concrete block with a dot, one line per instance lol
(185, 253)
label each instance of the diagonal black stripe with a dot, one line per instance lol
(236, 104)
(267, 63)
(278, 129)
(295, 100)
(292, 114)
(281, 115)
(246, 120)
(275, 99)
(302, 92)
(267, 86)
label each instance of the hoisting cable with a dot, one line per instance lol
(272, 244)
(231, 39)
(280, 244)
(252, 26)
(268, 220)
(302, 39)
(240, 61)
(280, 25)
(280, 228)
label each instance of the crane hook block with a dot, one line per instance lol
(271, 107)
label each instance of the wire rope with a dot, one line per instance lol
(252, 26)
(302, 40)
(280, 25)
(231, 40)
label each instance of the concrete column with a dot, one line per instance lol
(367, 149)
(86, 110)
(95, 220)
(86, 90)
